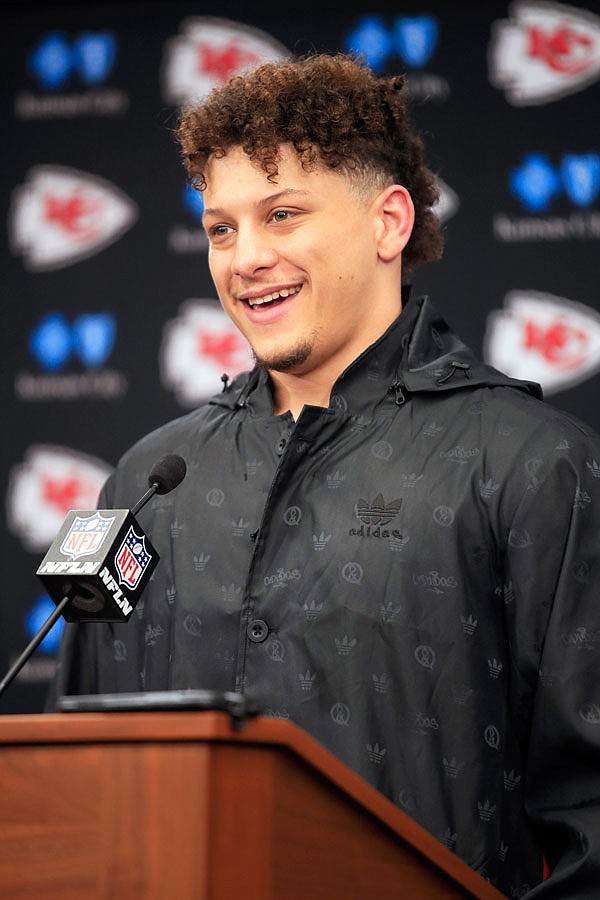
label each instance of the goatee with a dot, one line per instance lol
(286, 361)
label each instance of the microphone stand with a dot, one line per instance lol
(33, 644)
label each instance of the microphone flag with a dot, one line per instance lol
(102, 560)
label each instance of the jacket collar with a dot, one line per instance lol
(419, 353)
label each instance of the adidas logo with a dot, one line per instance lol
(376, 753)
(452, 767)
(307, 680)
(581, 498)
(594, 468)
(231, 596)
(334, 481)
(488, 488)
(200, 562)
(495, 667)
(469, 624)
(410, 480)
(381, 682)
(505, 592)
(397, 544)
(448, 838)
(460, 695)
(312, 609)
(374, 515)
(252, 466)
(239, 527)
(511, 780)
(345, 645)
(320, 541)
(486, 810)
(388, 611)
(432, 429)
(377, 513)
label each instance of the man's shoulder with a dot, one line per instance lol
(535, 425)
(168, 437)
(184, 436)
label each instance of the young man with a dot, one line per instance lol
(379, 536)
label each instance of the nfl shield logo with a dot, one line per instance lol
(86, 535)
(132, 559)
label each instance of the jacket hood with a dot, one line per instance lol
(436, 358)
(418, 353)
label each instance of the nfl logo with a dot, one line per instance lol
(86, 535)
(132, 559)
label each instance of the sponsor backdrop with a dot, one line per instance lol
(111, 323)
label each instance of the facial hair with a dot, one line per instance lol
(288, 360)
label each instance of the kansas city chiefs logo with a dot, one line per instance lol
(448, 202)
(198, 347)
(543, 52)
(43, 488)
(543, 338)
(208, 52)
(60, 216)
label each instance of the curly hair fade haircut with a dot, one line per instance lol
(335, 112)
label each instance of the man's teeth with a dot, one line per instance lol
(276, 295)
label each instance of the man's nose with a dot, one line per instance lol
(253, 251)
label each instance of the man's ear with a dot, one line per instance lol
(395, 219)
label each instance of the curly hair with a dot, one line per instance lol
(335, 112)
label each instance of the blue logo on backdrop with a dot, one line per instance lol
(193, 201)
(35, 618)
(90, 337)
(412, 38)
(581, 177)
(536, 182)
(90, 55)
(415, 39)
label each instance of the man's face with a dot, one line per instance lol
(294, 262)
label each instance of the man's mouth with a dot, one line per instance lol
(281, 294)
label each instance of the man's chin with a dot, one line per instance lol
(285, 361)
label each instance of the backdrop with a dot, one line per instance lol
(110, 322)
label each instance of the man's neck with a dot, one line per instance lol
(313, 384)
(292, 392)
(312, 387)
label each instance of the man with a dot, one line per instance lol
(379, 537)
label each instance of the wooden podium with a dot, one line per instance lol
(181, 805)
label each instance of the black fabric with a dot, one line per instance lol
(424, 555)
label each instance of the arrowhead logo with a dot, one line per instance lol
(61, 216)
(543, 52)
(448, 202)
(197, 348)
(45, 486)
(208, 51)
(543, 338)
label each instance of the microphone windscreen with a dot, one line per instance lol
(167, 473)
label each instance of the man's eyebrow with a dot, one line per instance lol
(264, 201)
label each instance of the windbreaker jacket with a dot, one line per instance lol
(411, 575)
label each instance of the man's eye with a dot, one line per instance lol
(281, 215)
(219, 230)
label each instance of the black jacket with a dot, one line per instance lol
(424, 556)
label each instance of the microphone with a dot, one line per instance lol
(100, 561)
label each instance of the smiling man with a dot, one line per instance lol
(310, 272)
(380, 537)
